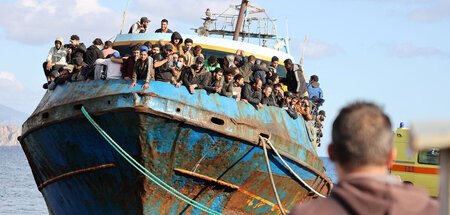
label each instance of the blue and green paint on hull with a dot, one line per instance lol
(181, 138)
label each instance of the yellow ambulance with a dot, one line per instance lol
(420, 168)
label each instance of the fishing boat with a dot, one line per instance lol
(103, 148)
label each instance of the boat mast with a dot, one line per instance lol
(240, 19)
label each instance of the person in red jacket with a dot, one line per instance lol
(362, 151)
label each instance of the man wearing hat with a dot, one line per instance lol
(79, 69)
(198, 77)
(139, 26)
(164, 63)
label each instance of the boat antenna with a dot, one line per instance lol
(240, 19)
(124, 16)
(287, 38)
(303, 50)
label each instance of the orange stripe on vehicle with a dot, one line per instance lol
(414, 169)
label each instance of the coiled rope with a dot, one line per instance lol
(265, 140)
(146, 172)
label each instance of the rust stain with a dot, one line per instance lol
(76, 172)
(207, 178)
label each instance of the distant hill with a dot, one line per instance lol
(9, 134)
(10, 125)
(9, 116)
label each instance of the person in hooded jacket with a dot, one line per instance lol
(295, 79)
(362, 151)
(314, 87)
(56, 59)
(175, 41)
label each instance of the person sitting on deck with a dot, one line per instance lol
(188, 51)
(139, 26)
(107, 49)
(248, 68)
(75, 49)
(362, 151)
(238, 83)
(142, 69)
(295, 80)
(164, 63)
(56, 59)
(128, 64)
(252, 93)
(314, 87)
(79, 69)
(268, 99)
(211, 63)
(175, 41)
(179, 71)
(63, 77)
(164, 29)
(197, 76)
(227, 85)
(215, 84)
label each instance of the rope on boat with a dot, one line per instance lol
(146, 172)
(274, 188)
(290, 169)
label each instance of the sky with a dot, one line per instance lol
(395, 53)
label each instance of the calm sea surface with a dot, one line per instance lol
(18, 191)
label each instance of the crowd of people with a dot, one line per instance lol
(180, 63)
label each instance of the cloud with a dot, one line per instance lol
(187, 10)
(426, 10)
(13, 93)
(409, 50)
(437, 11)
(316, 49)
(36, 21)
(9, 82)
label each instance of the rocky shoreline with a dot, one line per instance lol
(9, 134)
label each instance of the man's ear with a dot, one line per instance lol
(391, 158)
(330, 151)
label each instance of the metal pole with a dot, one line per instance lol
(237, 30)
(124, 16)
(445, 189)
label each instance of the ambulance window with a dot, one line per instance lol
(429, 157)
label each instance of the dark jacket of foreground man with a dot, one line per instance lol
(372, 195)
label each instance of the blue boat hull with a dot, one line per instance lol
(78, 172)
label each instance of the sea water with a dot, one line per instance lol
(19, 193)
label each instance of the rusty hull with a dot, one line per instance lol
(205, 146)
